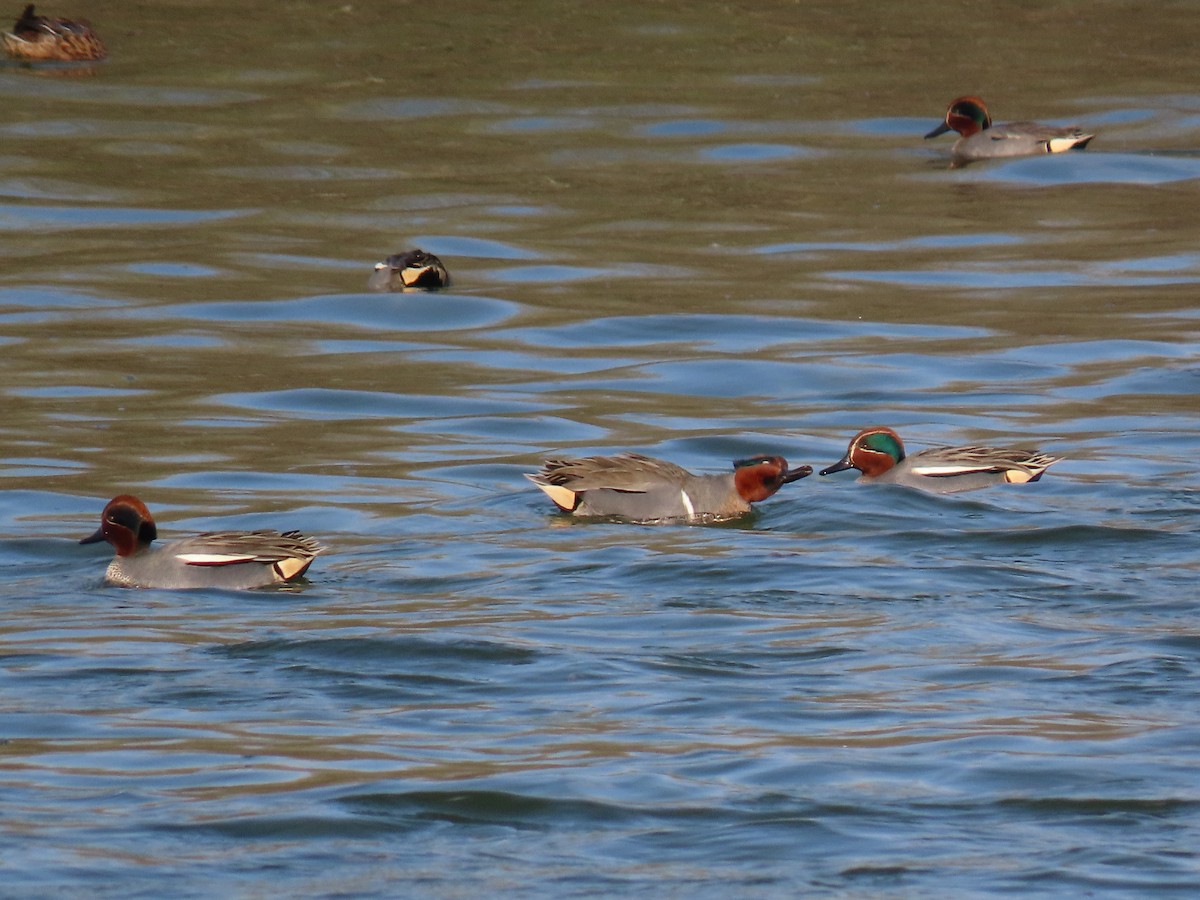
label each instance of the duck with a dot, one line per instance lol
(980, 139)
(238, 560)
(409, 270)
(878, 453)
(40, 38)
(646, 490)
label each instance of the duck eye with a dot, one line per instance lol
(751, 461)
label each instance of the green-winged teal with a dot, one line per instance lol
(407, 271)
(980, 139)
(230, 559)
(40, 38)
(643, 489)
(878, 453)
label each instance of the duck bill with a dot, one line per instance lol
(840, 466)
(95, 538)
(797, 473)
(941, 129)
(379, 278)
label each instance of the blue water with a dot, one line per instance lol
(857, 691)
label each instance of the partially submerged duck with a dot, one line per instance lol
(648, 490)
(41, 38)
(406, 271)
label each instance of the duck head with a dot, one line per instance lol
(872, 451)
(405, 271)
(966, 115)
(126, 524)
(758, 477)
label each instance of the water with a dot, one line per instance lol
(685, 231)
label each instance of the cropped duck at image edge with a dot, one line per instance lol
(37, 38)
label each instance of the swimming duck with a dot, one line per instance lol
(878, 453)
(229, 559)
(980, 139)
(643, 489)
(40, 38)
(414, 269)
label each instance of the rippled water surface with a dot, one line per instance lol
(700, 232)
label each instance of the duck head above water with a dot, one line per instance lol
(758, 477)
(126, 524)
(872, 451)
(413, 269)
(966, 115)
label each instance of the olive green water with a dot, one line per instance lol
(697, 231)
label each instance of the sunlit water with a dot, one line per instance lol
(694, 236)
